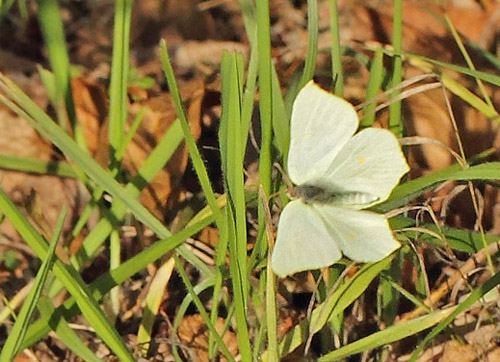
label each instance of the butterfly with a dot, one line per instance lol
(337, 174)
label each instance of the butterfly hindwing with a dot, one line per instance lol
(361, 235)
(321, 125)
(303, 241)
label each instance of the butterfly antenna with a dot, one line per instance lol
(264, 200)
(284, 176)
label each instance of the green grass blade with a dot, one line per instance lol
(18, 331)
(467, 58)
(52, 30)
(388, 335)
(395, 121)
(474, 296)
(231, 139)
(64, 332)
(414, 188)
(247, 105)
(374, 85)
(118, 116)
(280, 117)
(312, 49)
(34, 165)
(461, 240)
(194, 153)
(487, 77)
(266, 114)
(336, 50)
(119, 76)
(130, 134)
(70, 278)
(248, 12)
(388, 297)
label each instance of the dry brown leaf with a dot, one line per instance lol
(428, 118)
(164, 190)
(193, 334)
(91, 107)
(21, 140)
(423, 33)
(210, 236)
(90, 101)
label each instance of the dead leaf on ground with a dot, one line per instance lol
(164, 190)
(193, 334)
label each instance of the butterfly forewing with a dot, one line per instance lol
(321, 125)
(370, 163)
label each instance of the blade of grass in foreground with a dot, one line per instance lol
(70, 278)
(194, 153)
(388, 335)
(53, 33)
(104, 283)
(117, 119)
(232, 155)
(374, 85)
(266, 114)
(395, 121)
(336, 51)
(34, 165)
(64, 332)
(27, 109)
(312, 48)
(461, 240)
(18, 331)
(474, 296)
(119, 74)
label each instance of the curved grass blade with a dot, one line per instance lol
(474, 296)
(16, 335)
(70, 278)
(388, 335)
(404, 193)
(34, 165)
(64, 332)
(105, 282)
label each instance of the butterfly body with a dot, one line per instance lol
(311, 194)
